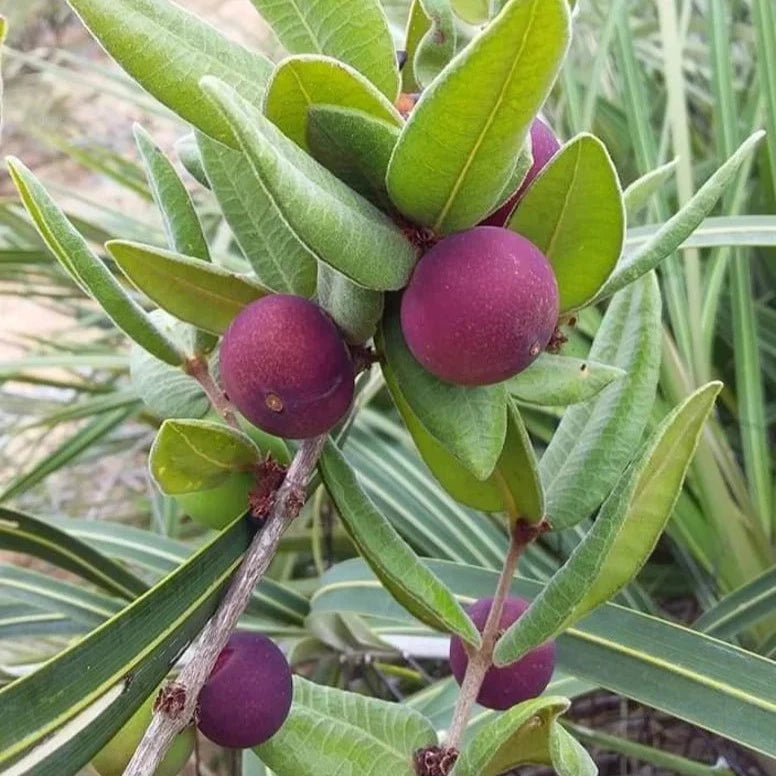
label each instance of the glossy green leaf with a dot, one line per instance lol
(568, 756)
(178, 49)
(470, 423)
(301, 82)
(573, 212)
(86, 269)
(330, 730)
(595, 441)
(456, 154)
(57, 718)
(355, 146)
(472, 11)
(559, 381)
(388, 554)
(23, 533)
(639, 193)
(624, 534)
(193, 455)
(678, 228)
(356, 310)
(519, 736)
(430, 43)
(334, 223)
(181, 222)
(353, 31)
(278, 258)
(194, 291)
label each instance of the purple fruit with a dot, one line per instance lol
(517, 682)
(248, 696)
(480, 307)
(286, 368)
(544, 145)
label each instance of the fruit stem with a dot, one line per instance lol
(204, 651)
(197, 367)
(482, 659)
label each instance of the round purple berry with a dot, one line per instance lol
(506, 687)
(480, 307)
(248, 696)
(286, 368)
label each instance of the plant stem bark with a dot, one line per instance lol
(171, 718)
(197, 367)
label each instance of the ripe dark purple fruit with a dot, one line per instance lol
(517, 682)
(248, 696)
(480, 307)
(544, 145)
(286, 367)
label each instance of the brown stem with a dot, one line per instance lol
(481, 660)
(197, 367)
(212, 639)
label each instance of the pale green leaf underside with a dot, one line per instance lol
(430, 43)
(638, 194)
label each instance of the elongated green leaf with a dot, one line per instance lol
(519, 736)
(329, 730)
(23, 533)
(57, 718)
(193, 455)
(334, 223)
(559, 381)
(353, 31)
(624, 534)
(279, 259)
(181, 222)
(741, 609)
(178, 49)
(68, 451)
(707, 682)
(391, 558)
(595, 441)
(677, 229)
(355, 146)
(568, 756)
(194, 291)
(470, 423)
(573, 212)
(456, 154)
(430, 43)
(87, 270)
(638, 194)
(26, 622)
(301, 82)
(720, 232)
(191, 159)
(356, 310)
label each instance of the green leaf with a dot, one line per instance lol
(719, 232)
(430, 43)
(356, 310)
(519, 736)
(193, 455)
(573, 212)
(355, 146)
(559, 381)
(595, 441)
(302, 82)
(57, 718)
(26, 534)
(191, 159)
(639, 193)
(390, 557)
(167, 50)
(456, 154)
(352, 31)
(278, 258)
(181, 222)
(192, 290)
(470, 423)
(472, 11)
(334, 223)
(624, 534)
(330, 730)
(26, 622)
(677, 229)
(86, 269)
(568, 756)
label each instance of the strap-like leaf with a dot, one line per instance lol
(638, 194)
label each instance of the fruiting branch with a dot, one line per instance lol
(213, 637)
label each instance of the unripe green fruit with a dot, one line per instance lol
(116, 754)
(219, 506)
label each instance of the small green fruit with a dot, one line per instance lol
(116, 754)
(219, 506)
